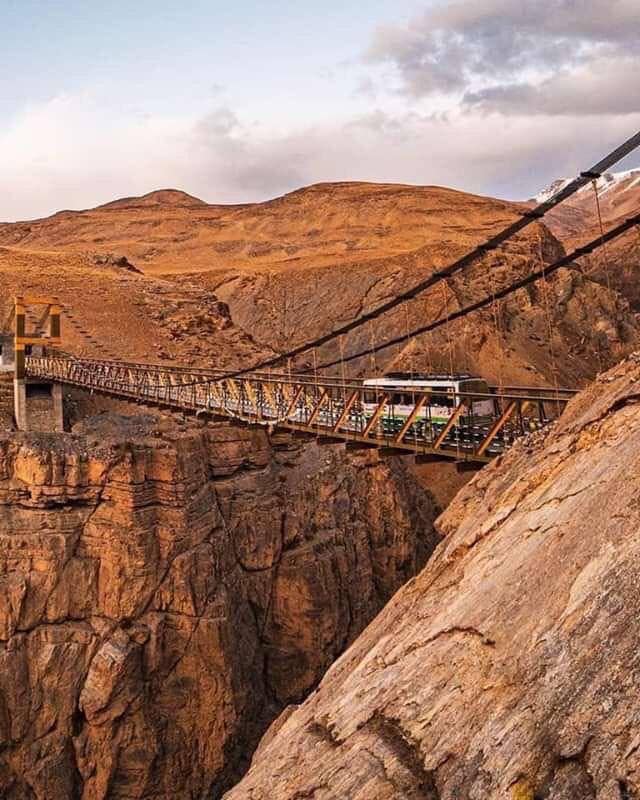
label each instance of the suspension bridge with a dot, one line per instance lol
(477, 426)
(329, 409)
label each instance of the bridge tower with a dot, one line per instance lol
(37, 403)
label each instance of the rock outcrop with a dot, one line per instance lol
(112, 311)
(578, 221)
(166, 590)
(509, 667)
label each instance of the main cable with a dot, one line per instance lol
(586, 249)
(528, 218)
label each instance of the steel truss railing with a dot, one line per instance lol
(329, 410)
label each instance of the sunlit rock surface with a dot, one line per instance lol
(166, 590)
(509, 667)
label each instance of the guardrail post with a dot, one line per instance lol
(346, 411)
(450, 423)
(499, 424)
(316, 411)
(376, 415)
(411, 418)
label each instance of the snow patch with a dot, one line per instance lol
(552, 189)
(608, 181)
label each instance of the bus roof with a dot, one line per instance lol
(415, 381)
(433, 376)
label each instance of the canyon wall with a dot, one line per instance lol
(167, 589)
(509, 667)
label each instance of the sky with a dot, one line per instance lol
(243, 101)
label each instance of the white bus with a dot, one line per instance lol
(445, 393)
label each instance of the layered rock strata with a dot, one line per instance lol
(166, 590)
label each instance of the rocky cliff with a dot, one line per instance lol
(509, 667)
(166, 590)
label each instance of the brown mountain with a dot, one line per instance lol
(322, 225)
(291, 268)
(577, 221)
(169, 587)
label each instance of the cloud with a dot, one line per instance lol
(73, 152)
(512, 56)
(491, 96)
(602, 86)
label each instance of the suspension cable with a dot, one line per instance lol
(565, 261)
(427, 345)
(373, 348)
(342, 372)
(410, 350)
(408, 344)
(494, 310)
(547, 311)
(594, 183)
(445, 297)
(527, 218)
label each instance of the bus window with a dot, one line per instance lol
(481, 406)
(441, 400)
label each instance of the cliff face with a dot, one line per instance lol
(508, 667)
(166, 590)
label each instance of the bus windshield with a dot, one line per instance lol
(468, 387)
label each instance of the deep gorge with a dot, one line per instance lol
(168, 588)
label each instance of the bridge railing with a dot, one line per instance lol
(211, 373)
(474, 426)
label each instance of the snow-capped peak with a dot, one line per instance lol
(608, 181)
(553, 188)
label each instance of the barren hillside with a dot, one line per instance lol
(322, 225)
(292, 268)
(618, 265)
(114, 312)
